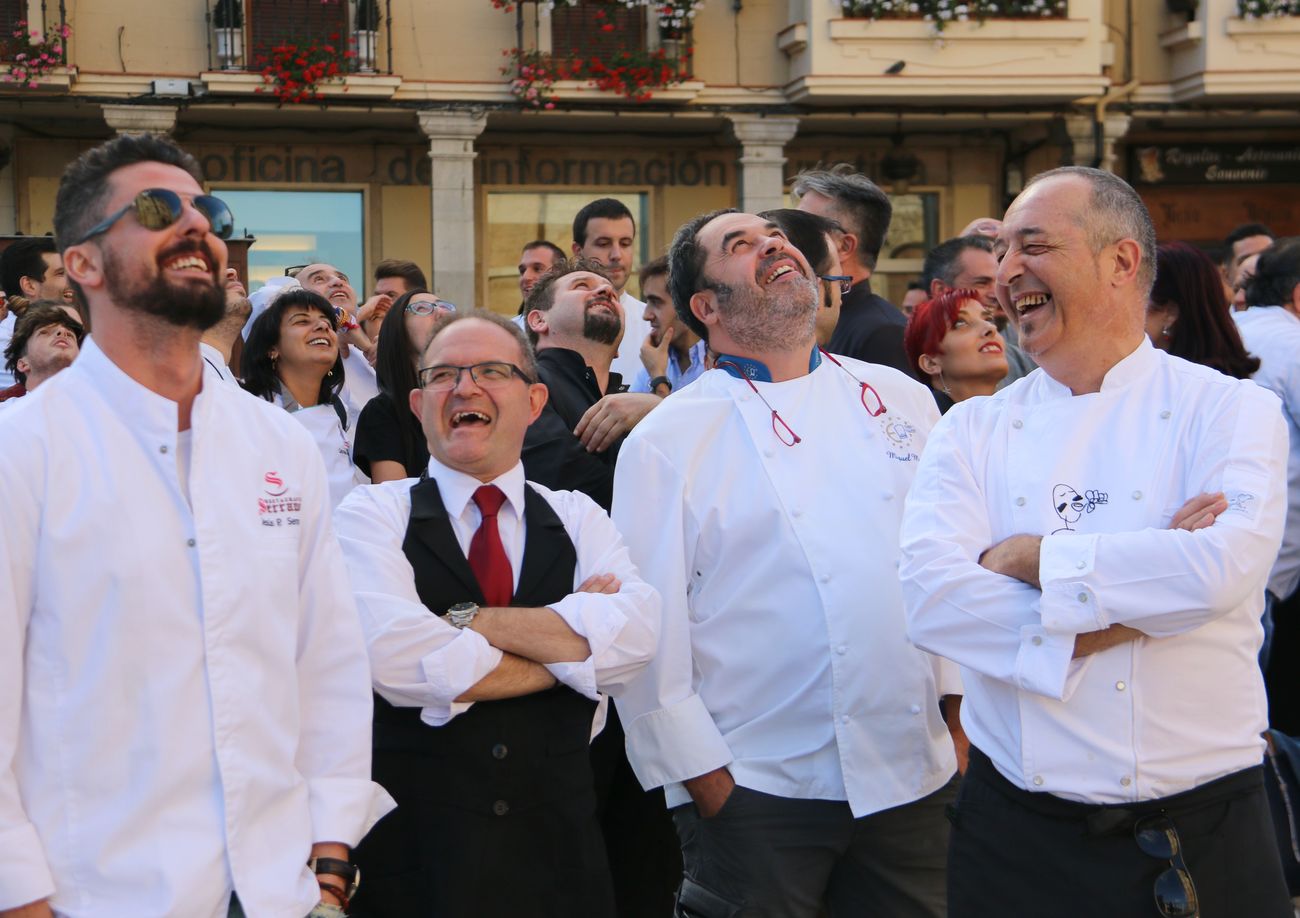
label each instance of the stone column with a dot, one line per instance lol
(141, 119)
(762, 158)
(1080, 127)
(451, 148)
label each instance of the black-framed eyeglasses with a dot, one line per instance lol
(425, 308)
(489, 375)
(845, 282)
(1174, 891)
(158, 208)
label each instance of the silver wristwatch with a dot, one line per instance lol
(461, 614)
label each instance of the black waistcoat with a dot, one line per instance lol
(510, 754)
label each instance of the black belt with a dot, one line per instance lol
(1108, 819)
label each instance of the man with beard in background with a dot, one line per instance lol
(185, 699)
(574, 321)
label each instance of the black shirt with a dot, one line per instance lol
(380, 437)
(870, 329)
(553, 455)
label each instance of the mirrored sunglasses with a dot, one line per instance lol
(158, 208)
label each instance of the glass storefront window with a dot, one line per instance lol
(298, 228)
(516, 218)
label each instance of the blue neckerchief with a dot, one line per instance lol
(745, 368)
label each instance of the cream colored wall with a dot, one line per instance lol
(157, 37)
(404, 220)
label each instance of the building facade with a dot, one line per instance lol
(452, 132)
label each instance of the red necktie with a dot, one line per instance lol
(487, 556)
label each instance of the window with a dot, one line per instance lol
(596, 29)
(11, 13)
(298, 228)
(515, 218)
(273, 22)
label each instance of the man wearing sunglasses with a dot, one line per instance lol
(798, 737)
(1114, 701)
(187, 705)
(496, 612)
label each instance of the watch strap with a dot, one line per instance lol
(660, 381)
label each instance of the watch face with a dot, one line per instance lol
(462, 607)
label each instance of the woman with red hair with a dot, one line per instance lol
(953, 347)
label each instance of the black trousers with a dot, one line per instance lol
(1016, 853)
(645, 858)
(763, 856)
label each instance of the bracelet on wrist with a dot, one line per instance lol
(334, 890)
(660, 381)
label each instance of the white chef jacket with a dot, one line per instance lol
(184, 698)
(6, 335)
(335, 445)
(214, 366)
(1272, 334)
(418, 660)
(783, 654)
(1100, 477)
(635, 328)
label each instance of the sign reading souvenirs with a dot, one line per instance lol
(1215, 164)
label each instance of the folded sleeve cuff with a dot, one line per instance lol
(581, 677)
(675, 743)
(1045, 664)
(1069, 604)
(24, 875)
(452, 670)
(599, 622)
(344, 809)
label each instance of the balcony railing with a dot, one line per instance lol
(1233, 50)
(961, 51)
(566, 48)
(243, 32)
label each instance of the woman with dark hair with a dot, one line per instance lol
(1187, 315)
(390, 443)
(292, 358)
(952, 346)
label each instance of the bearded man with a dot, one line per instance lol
(798, 735)
(185, 724)
(575, 322)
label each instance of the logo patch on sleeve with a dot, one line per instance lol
(1242, 502)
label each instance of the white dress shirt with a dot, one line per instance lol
(1272, 334)
(360, 384)
(635, 329)
(418, 660)
(677, 377)
(783, 653)
(215, 368)
(1100, 477)
(184, 697)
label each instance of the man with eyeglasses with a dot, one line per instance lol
(186, 696)
(1091, 545)
(870, 328)
(798, 736)
(357, 348)
(497, 612)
